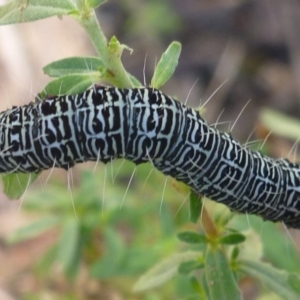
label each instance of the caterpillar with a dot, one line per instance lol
(142, 125)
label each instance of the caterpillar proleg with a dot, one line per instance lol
(143, 124)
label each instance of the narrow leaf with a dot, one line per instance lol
(134, 81)
(110, 263)
(46, 262)
(195, 207)
(163, 271)
(70, 84)
(220, 279)
(235, 253)
(232, 239)
(191, 237)
(166, 66)
(24, 10)
(198, 288)
(68, 248)
(15, 185)
(189, 266)
(204, 285)
(281, 124)
(72, 65)
(281, 282)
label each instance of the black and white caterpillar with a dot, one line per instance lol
(143, 125)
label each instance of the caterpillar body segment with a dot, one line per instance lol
(141, 125)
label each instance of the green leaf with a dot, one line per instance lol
(15, 185)
(109, 265)
(189, 266)
(198, 288)
(281, 124)
(72, 65)
(33, 230)
(235, 253)
(31, 10)
(220, 279)
(204, 285)
(134, 81)
(232, 239)
(167, 220)
(43, 266)
(164, 271)
(191, 237)
(69, 247)
(195, 207)
(281, 282)
(95, 3)
(70, 84)
(166, 66)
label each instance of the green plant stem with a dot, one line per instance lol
(118, 75)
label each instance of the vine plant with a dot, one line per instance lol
(215, 257)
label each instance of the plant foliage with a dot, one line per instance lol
(213, 252)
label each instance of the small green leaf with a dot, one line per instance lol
(31, 10)
(74, 65)
(189, 266)
(70, 84)
(15, 185)
(204, 285)
(198, 288)
(95, 3)
(166, 66)
(46, 262)
(110, 264)
(33, 230)
(191, 237)
(219, 276)
(235, 253)
(281, 124)
(134, 81)
(232, 239)
(195, 207)
(167, 220)
(163, 271)
(69, 248)
(281, 282)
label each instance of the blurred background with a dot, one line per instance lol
(250, 49)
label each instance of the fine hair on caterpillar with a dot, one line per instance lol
(142, 125)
